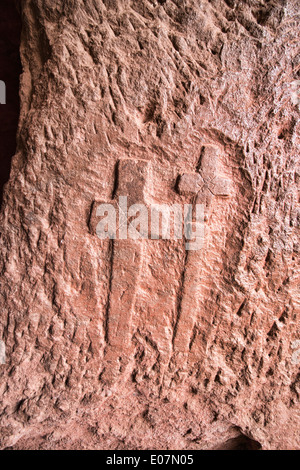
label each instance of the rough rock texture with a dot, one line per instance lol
(140, 344)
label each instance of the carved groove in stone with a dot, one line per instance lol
(126, 265)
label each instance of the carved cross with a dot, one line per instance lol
(132, 177)
(204, 185)
(207, 183)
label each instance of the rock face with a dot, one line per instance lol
(136, 344)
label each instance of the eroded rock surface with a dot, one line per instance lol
(122, 344)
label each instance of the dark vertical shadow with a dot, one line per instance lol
(10, 70)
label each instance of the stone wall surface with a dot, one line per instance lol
(123, 344)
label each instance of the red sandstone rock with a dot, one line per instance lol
(138, 344)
